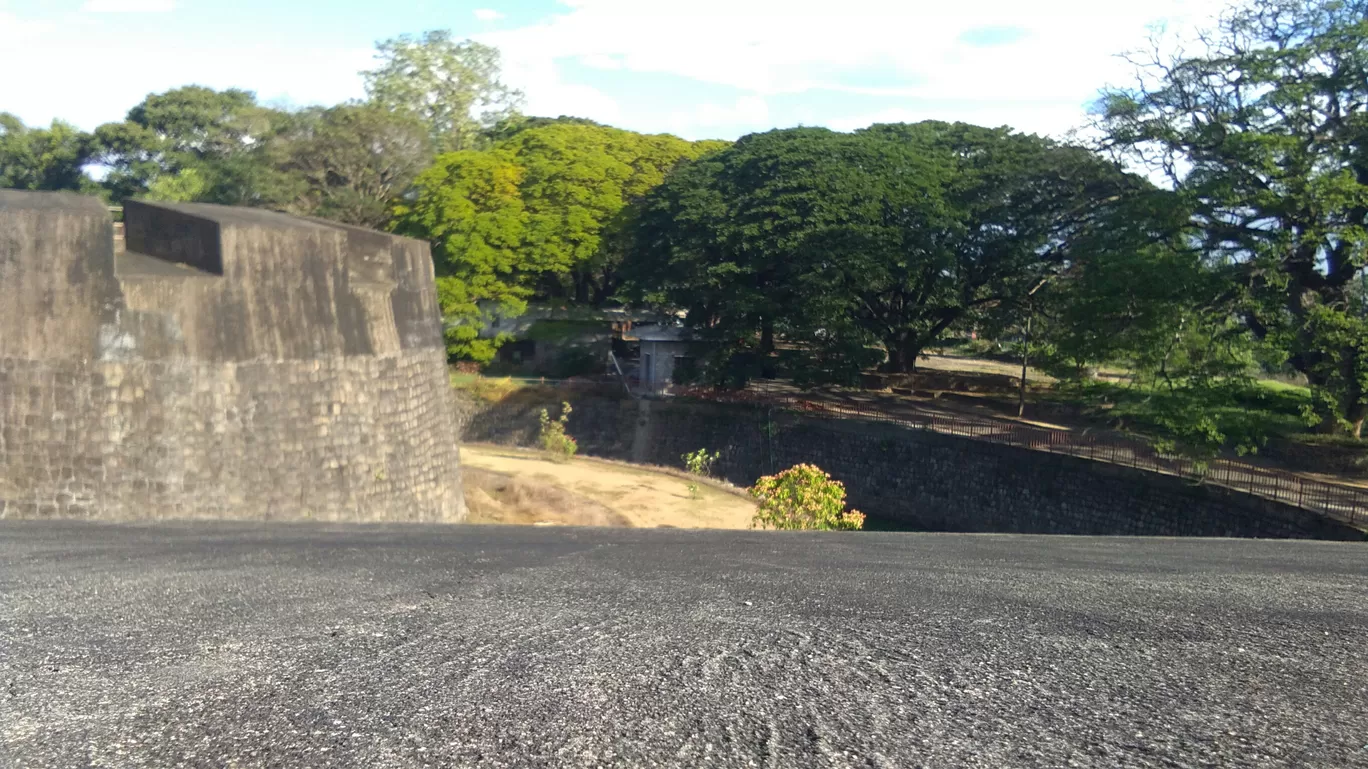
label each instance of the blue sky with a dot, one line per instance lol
(696, 68)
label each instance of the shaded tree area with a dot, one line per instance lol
(884, 238)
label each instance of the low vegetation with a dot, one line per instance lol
(699, 463)
(552, 436)
(1196, 419)
(803, 497)
(486, 389)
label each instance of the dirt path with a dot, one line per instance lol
(645, 498)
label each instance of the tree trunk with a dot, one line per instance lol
(1025, 362)
(767, 349)
(903, 352)
(581, 286)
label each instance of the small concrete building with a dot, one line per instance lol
(666, 351)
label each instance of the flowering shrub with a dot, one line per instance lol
(803, 497)
(553, 437)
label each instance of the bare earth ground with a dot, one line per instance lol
(507, 485)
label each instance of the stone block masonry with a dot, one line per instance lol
(921, 479)
(232, 363)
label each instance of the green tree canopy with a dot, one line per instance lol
(578, 182)
(469, 207)
(453, 87)
(224, 135)
(544, 209)
(1264, 135)
(355, 161)
(50, 158)
(887, 236)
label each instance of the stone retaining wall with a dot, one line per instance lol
(360, 438)
(919, 478)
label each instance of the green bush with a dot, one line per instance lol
(803, 497)
(553, 438)
(1198, 419)
(699, 463)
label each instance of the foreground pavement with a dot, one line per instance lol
(304, 645)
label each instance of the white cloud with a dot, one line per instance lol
(749, 110)
(785, 61)
(15, 31)
(549, 94)
(300, 75)
(129, 6)
(601, 61)
(487, 14)
(910, 49)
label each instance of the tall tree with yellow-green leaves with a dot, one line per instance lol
(544, 210)
(469, 208)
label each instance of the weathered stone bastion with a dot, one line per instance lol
(229, 363)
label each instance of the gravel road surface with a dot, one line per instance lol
(383, 646)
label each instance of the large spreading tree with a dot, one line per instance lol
(454, 87)
(1264, 136)
(885, 237)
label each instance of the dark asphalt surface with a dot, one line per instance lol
(254, 645)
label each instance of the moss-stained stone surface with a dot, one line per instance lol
(233, 363)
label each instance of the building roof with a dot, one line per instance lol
(660, 334)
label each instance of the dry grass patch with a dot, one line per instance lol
(495, 497)
(640, 496)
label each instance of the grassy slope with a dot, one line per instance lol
(529, 488)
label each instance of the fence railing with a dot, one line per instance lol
(1341, 502)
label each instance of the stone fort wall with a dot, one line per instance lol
(918, 478)
(231, 363)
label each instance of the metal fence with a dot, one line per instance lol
(1344, 503)
(1338, 501)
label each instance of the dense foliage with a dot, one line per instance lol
(886, 237)
(1240, 252)
(1264, 135)
(50, 158)
(542, 211)
(803, 497)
